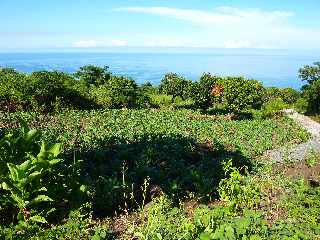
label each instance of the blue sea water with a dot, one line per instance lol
(271, 68)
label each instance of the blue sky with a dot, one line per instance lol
(98, 24)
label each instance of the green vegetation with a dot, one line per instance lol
(96, 156)
(311, 91)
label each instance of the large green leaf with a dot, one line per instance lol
(31, 135)
(38, 219)
(55, 149)
(14, 175)
(41, 198)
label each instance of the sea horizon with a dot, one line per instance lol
(278, 68)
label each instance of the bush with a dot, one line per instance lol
(122, 92)
(238, 93)
(165, 222)
(175, 85)
(237, 190)
(93, 75)
(301, 105)
(54, 90)
(12, 90)
(312, 94)
(101, 97)
(273, 107)
(201, 92)
(289, 95)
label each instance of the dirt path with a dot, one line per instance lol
(302, 151)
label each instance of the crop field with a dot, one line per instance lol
(85, 130)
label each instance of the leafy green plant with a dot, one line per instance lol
(122, 92)
(93, 74)
(162, 222)
(273, 107)
(239, 93)
(175, 85)
(13, 86)
(301, 105)
(237, 190)
(201, 91)
(22, 182)
(217, 224)
(312, 160)
(312, 93)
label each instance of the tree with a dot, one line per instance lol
(93, 74)
(175, 85)
(310, 73)
(6, 70)
(201, 92)
(48, 87)
(312, 93)
(239, 93)
(122, 91)
(13, 86)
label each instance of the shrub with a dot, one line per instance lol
(312, 94)
(101, 97)
(175, 85)
(12, 90)
(122, 92)
(289, 95)
(237, 190)
(238, 93)
(93, 75)
(301, 105)
(273, 107)
(201, 92)
(55, 90)
(165, 222)
(271, 93)
(147, 88)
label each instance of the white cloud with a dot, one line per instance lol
(231, 27)
(238, 44)
(100, 43)
(85, 44)
(119, 43)
(221, 15)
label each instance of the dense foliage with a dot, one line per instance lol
(201, 92)
(239, 93)
(93, 74)
(310, 73)
(311, 92)
(175, 85)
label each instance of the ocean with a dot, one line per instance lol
(270, 67)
